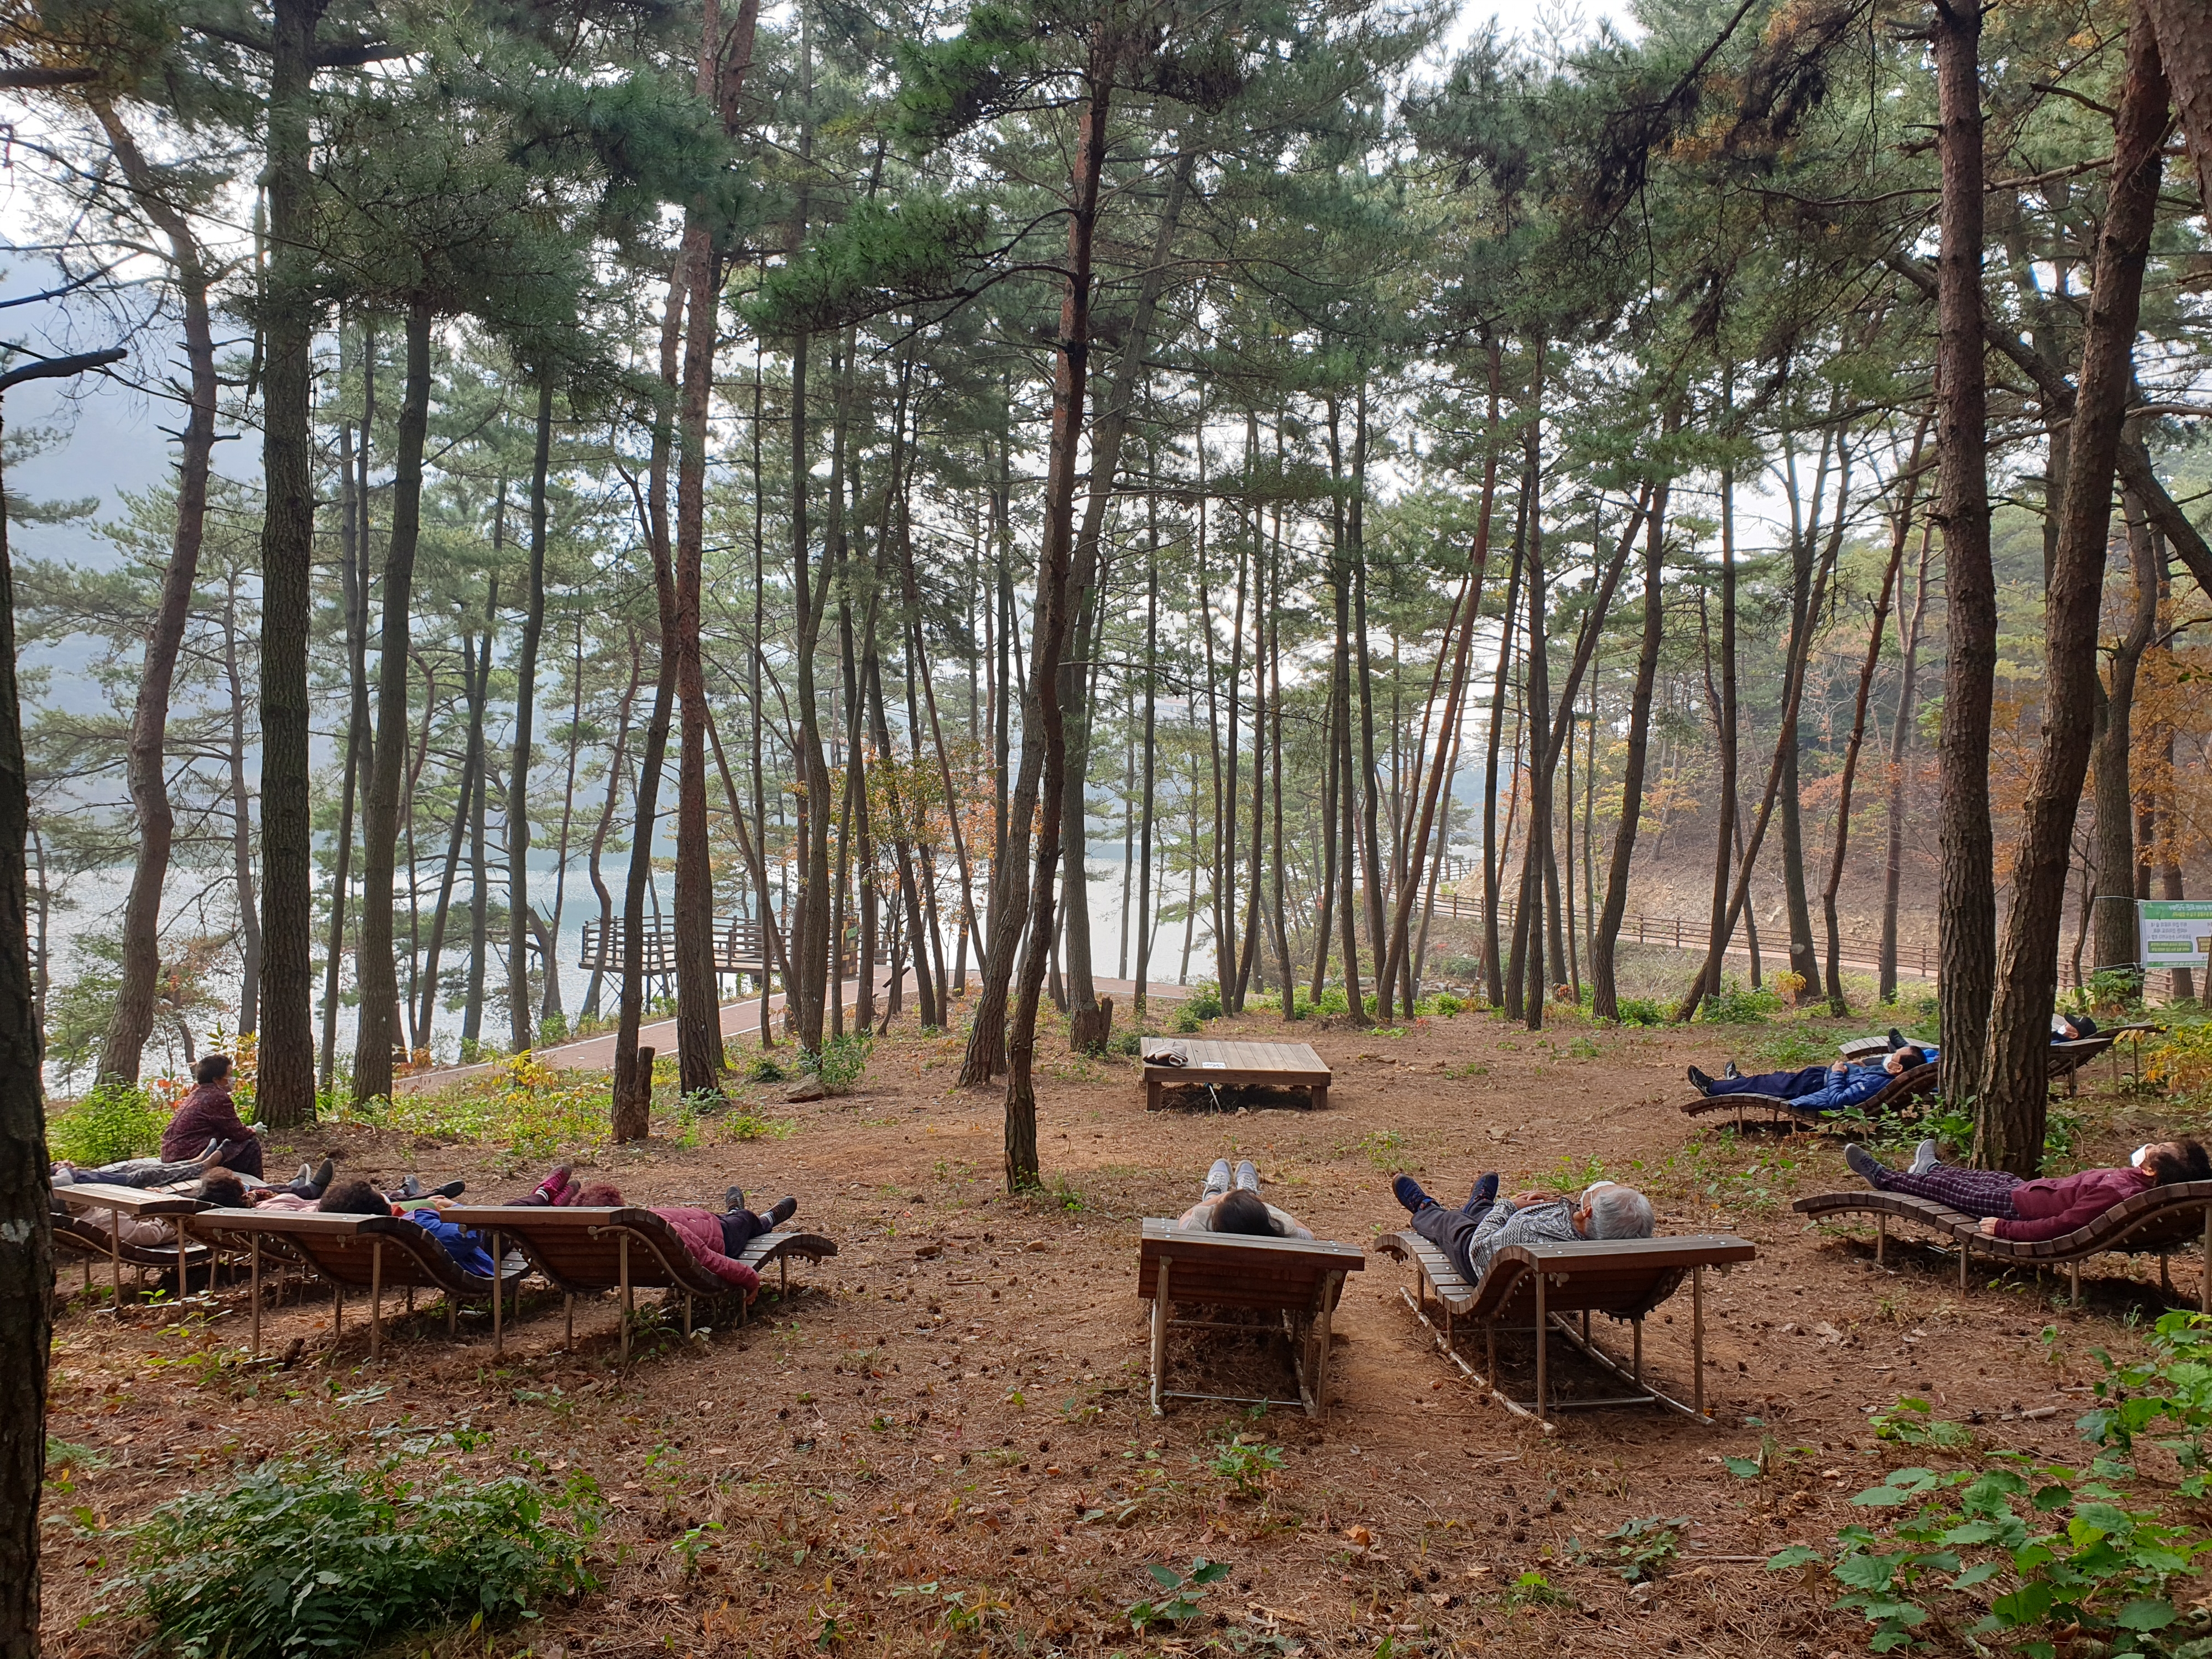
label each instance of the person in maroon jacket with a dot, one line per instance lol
(715, 1241)
(207, 1113)
(2025, 1211)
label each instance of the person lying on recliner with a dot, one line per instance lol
(1474, 1234)
(1833, 1088)
(2025, 1211)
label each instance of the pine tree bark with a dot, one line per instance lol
(1901, 530)
(377, 969)
(1900, 742)
(519, 1028)
(2185, 45)
(26, 1238)
(1055, 599)
(1605, 994)
(1967, 907)
(154, 823)
(2009, 1117)
(1493, 852)
(2122, 869)
(285, 1091)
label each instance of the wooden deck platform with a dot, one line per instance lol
(1265, 1065)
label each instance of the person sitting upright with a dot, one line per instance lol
(1474, 1234)
(2027, 1211)
(207, 1113)
(1817, 1088)
(715, 1241)
(1233, 1205)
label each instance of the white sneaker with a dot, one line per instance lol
(1217, 1178)
(1925, 1158)
(1248, 1178)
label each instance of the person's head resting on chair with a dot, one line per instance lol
(1243, 1211)
(353, 1198)
(1608, 1210)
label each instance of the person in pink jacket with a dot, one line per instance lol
(715, 1241)
(2027, 1211)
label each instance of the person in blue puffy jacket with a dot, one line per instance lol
(1819, 1088)
(359, 1198)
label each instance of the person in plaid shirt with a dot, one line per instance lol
(2014, 1208)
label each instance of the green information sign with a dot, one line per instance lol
(2174, 932)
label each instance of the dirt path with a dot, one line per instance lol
(948, 1416)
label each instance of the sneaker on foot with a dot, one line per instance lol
(1863, 1162)
(1248, 1178)
(1897, 1039)
(1409, 1193)
(1729, 1071)
(733, 1200)
(1700, 1082)
(1217, 1178)
(783, 1210)
(410, 1188)
(554, 1185)
(325, 1172)
(1485, 1193)
(1925, 1158)
(451, 1189)
(302, 1178)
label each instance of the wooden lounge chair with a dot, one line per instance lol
(116, 1203)
(356, 1252)
(2161, 1220)
(1265, 1065)
(1920, 1081)
(587, 1250)
(1299, 1280)
(1532, 1287)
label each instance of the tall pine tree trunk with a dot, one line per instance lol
(2122, 867)
(1966, 906)
(285, 1092)
(526, 712)
(1900, 742)
(146, 764)
(377, 969)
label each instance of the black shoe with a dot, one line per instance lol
(1700, 1082)
(1484, 1195)
(1729, 1072)
(1863, 1162)
(733, 1200)
(325, 1172)
(1897, 1040)
(451, 1189)
(783, 1211)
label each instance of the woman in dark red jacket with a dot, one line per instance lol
(2025, 1211)
(207, 1113)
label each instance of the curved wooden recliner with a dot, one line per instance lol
(2161, 1220)
(1920, 1082)
(1533, 1287)
(355, 1252)
(584, 1250)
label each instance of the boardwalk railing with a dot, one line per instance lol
(1918, 960)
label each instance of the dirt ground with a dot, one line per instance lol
(949, 1417)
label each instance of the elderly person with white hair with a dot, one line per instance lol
(1476, 1231)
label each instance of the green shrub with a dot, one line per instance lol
(116, 1120)
(1732, 1004)
(839, 1063)
(1186, 1022)
(1127, 1043)
(764, 1069)
(553, 1028)
(1640, 1011)
(1205, 1001)
(309, 1556)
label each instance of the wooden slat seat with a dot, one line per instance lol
(584, 1250)
(1264, 1064)
(90, 1197)
(2160, 1221)
(1916, 1084)
(355, 1252)
(1532, 1287)
(1299, 1279)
